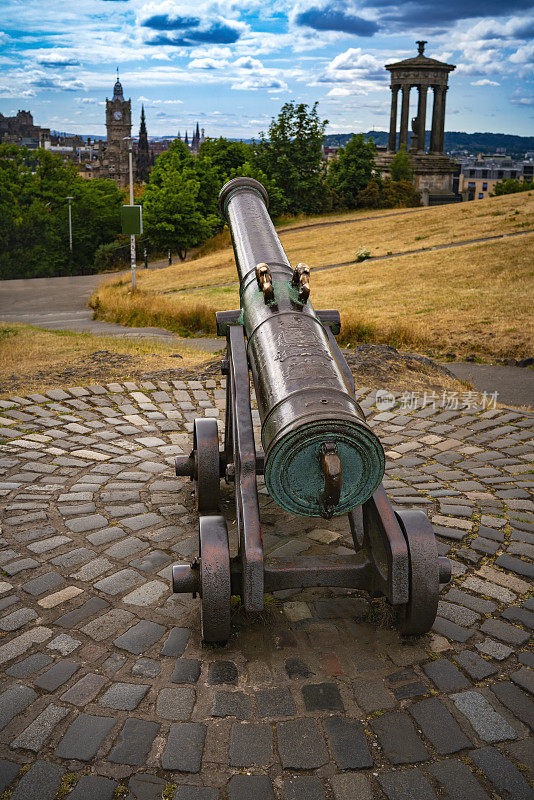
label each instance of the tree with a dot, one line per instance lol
(226, 156)
(512, 186)
(277, 201)
(370, 197)
(352, 170)
(291, 155)
(400, 168)
(172, 215)
(34, 214)
(399, 194)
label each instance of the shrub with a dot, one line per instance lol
(362, 254)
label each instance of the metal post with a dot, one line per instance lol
(145, 253)
(170, 258)
(70, 199)
(132, 237)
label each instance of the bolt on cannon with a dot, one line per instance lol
(320, 458)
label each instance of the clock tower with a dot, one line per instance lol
(119, 126)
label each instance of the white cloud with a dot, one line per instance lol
(485, 82)
(10, 91)
(247, 62)
(339, 91)
(524, 54)
(148, 101)
(259, 82)
(208, 63)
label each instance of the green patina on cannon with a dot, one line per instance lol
(320, 458)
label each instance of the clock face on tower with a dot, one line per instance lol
(117, 115)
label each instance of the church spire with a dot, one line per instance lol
(143, 155)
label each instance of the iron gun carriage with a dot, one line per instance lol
(319, 458)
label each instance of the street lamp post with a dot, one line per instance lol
(132, 236)
(70, 199)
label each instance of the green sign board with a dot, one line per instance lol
(132, 219)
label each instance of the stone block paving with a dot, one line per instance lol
(107, 692)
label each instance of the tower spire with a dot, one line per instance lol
(143, 154)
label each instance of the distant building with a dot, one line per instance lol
(330, 152)
(21, 130)
(196, 141)
(479, 175)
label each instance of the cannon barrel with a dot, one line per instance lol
(321, 458)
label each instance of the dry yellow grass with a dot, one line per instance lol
(476, 298)
(32, 358)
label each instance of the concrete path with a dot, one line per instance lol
(108, 690)
(514, 385)
(61, 304)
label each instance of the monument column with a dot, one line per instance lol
(435, 139)
(421, 118)
(442, 120)
(392, 142)
(405, 111)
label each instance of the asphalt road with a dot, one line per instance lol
(514, 385)
(60, 304)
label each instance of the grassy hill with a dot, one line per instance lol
(465, 297)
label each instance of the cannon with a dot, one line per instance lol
(319, 457)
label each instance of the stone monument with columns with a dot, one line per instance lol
(433, 170)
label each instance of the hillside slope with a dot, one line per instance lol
(471, 297)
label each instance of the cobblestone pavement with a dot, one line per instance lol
(106, 691)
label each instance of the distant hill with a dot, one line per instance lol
(473, 143)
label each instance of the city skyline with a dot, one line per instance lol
(231, 66)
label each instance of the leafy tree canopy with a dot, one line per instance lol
(400, 168)
(352, 170)
(512, 186)
(226, 156)
(172, 213)
(291, 155)
(34, 185)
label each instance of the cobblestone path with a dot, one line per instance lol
(106, 691)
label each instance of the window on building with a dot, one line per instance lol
(471, 185)
(484, 173)
(484, 187)
(500, 173)
(471, 173)
(481, 195)
(513, 173)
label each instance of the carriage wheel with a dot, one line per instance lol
(206, 472)
(418, 614)
(215, 585)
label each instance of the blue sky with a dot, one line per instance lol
(231, 65)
